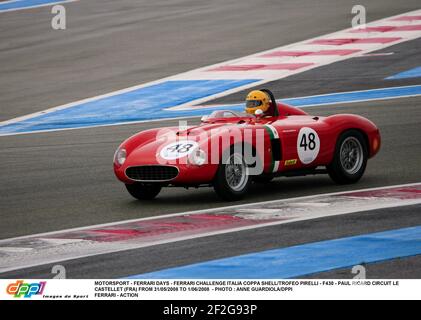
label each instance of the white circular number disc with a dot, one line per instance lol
(308, 145)
(178, 149)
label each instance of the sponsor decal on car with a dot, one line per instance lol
(290, 162)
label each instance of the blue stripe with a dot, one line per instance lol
(151, 103)
(139, 104)
(22, 4)
(366, 95)
(413, 73)
(303, 259)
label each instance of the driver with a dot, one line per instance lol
(258, 100)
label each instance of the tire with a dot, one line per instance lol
(232, 181)
(141, 191)
(350, 166)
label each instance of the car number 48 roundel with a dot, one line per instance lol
(308, 145)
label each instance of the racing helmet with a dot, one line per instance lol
(257, 100)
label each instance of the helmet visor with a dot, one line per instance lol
(250, 104)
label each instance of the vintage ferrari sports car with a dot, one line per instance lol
(231, 150)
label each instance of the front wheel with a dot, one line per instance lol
(143, 191)
(350, 158)
(232, 179)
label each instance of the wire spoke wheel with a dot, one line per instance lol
(232, 179)
(236, 172)
(350, 159)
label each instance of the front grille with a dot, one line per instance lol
(152, 173)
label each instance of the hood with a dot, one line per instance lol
(173, 144)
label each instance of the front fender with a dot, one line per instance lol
(343, 122)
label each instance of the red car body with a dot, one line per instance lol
(287, 140)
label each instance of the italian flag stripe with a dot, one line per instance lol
(273, 134)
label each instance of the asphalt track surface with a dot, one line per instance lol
(110, 45)
(132, 262)
(60, 180)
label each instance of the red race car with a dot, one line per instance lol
(229, 150)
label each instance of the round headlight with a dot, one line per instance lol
(120, 156)
(198, 157)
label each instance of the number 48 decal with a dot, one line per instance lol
(178, 149)
(308, 145)
(311, 142)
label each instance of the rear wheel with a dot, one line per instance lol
(143, 191)
(350, 158)
(232, 179)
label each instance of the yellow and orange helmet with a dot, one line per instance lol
(257, 100)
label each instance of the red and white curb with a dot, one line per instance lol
(34, 250)
(285, 61)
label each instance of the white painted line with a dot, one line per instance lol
(15, 249)
(325, 94)
(218, 106)
(10, 1)
(363, 100)
(35, 6)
